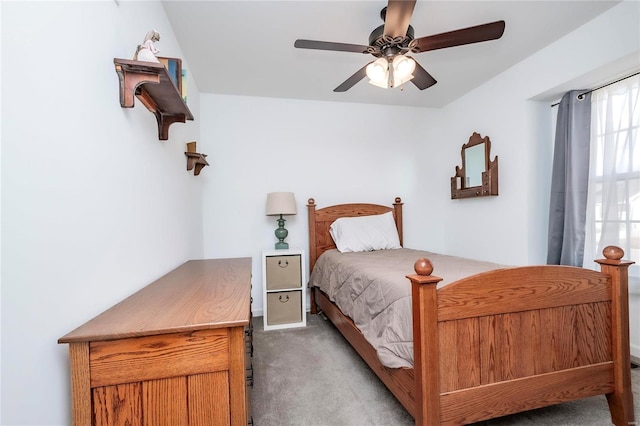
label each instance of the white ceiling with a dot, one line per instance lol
(246, 47)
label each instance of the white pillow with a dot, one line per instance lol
(365, 233)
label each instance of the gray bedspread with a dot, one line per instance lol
(372, 289)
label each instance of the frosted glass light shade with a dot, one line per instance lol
(280, 203)
(378, 71)
(403, 66)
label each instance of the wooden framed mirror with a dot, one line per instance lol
(478, 176)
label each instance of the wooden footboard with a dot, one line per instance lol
(517, 339)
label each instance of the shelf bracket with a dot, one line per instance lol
(129, 83)
(151, 84)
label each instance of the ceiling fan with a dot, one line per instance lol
(390, 43)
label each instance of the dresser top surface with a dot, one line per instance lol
(200, 294)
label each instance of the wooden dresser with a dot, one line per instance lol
(174, 353)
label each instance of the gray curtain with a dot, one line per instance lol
(567, 211)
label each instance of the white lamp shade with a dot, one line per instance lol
(280, 203)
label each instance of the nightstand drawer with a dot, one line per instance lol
(283, 272)
(284, 307)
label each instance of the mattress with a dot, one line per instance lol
(371, 288)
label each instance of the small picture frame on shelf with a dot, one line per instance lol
(174, 68)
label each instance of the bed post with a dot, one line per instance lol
(621, 399)
(397, 207)
(426, 363)
(311, 214)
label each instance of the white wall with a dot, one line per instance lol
(332, 152)
(94, 206)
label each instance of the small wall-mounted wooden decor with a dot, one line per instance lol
(478, 176)
(195, 160)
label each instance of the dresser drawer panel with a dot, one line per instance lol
(153, 357)
(283, 272)
(284, 307)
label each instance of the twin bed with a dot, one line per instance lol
(484, 341)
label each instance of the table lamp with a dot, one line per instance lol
(281, 203)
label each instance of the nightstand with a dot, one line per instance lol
(283, 286)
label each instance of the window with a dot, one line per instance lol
(613, 206)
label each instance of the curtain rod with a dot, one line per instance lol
(597, 88)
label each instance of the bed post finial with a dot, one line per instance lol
(423, 266)
(613, 252)
(311, 202)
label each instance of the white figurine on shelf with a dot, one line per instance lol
(147, 51)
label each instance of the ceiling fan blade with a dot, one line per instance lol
(327, 45)
(421, 78)
(484, 32)
(398, 17)
(351, 81)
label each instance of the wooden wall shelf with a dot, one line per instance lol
(195, 159)
(150, 82)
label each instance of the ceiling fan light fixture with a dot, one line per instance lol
(378, 71)
(403, 66)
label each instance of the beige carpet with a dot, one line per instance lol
(311, 376)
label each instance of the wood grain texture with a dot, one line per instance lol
(459, 349)
(119, 405)
(513, 396)
(237, 377)
(198, 295)
(516, 345)
(426, 355)
(164, 402)
(520, 289)
(80, 383)
(209, 399)
(155, 357)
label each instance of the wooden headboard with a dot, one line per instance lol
(321, 219)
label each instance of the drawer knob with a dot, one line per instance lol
(283, 264)
(286, 298)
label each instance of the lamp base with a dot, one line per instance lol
(281, 234)
(282, 246)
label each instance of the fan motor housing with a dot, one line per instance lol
(385, 46)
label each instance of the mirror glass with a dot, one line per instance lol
(474, 165)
